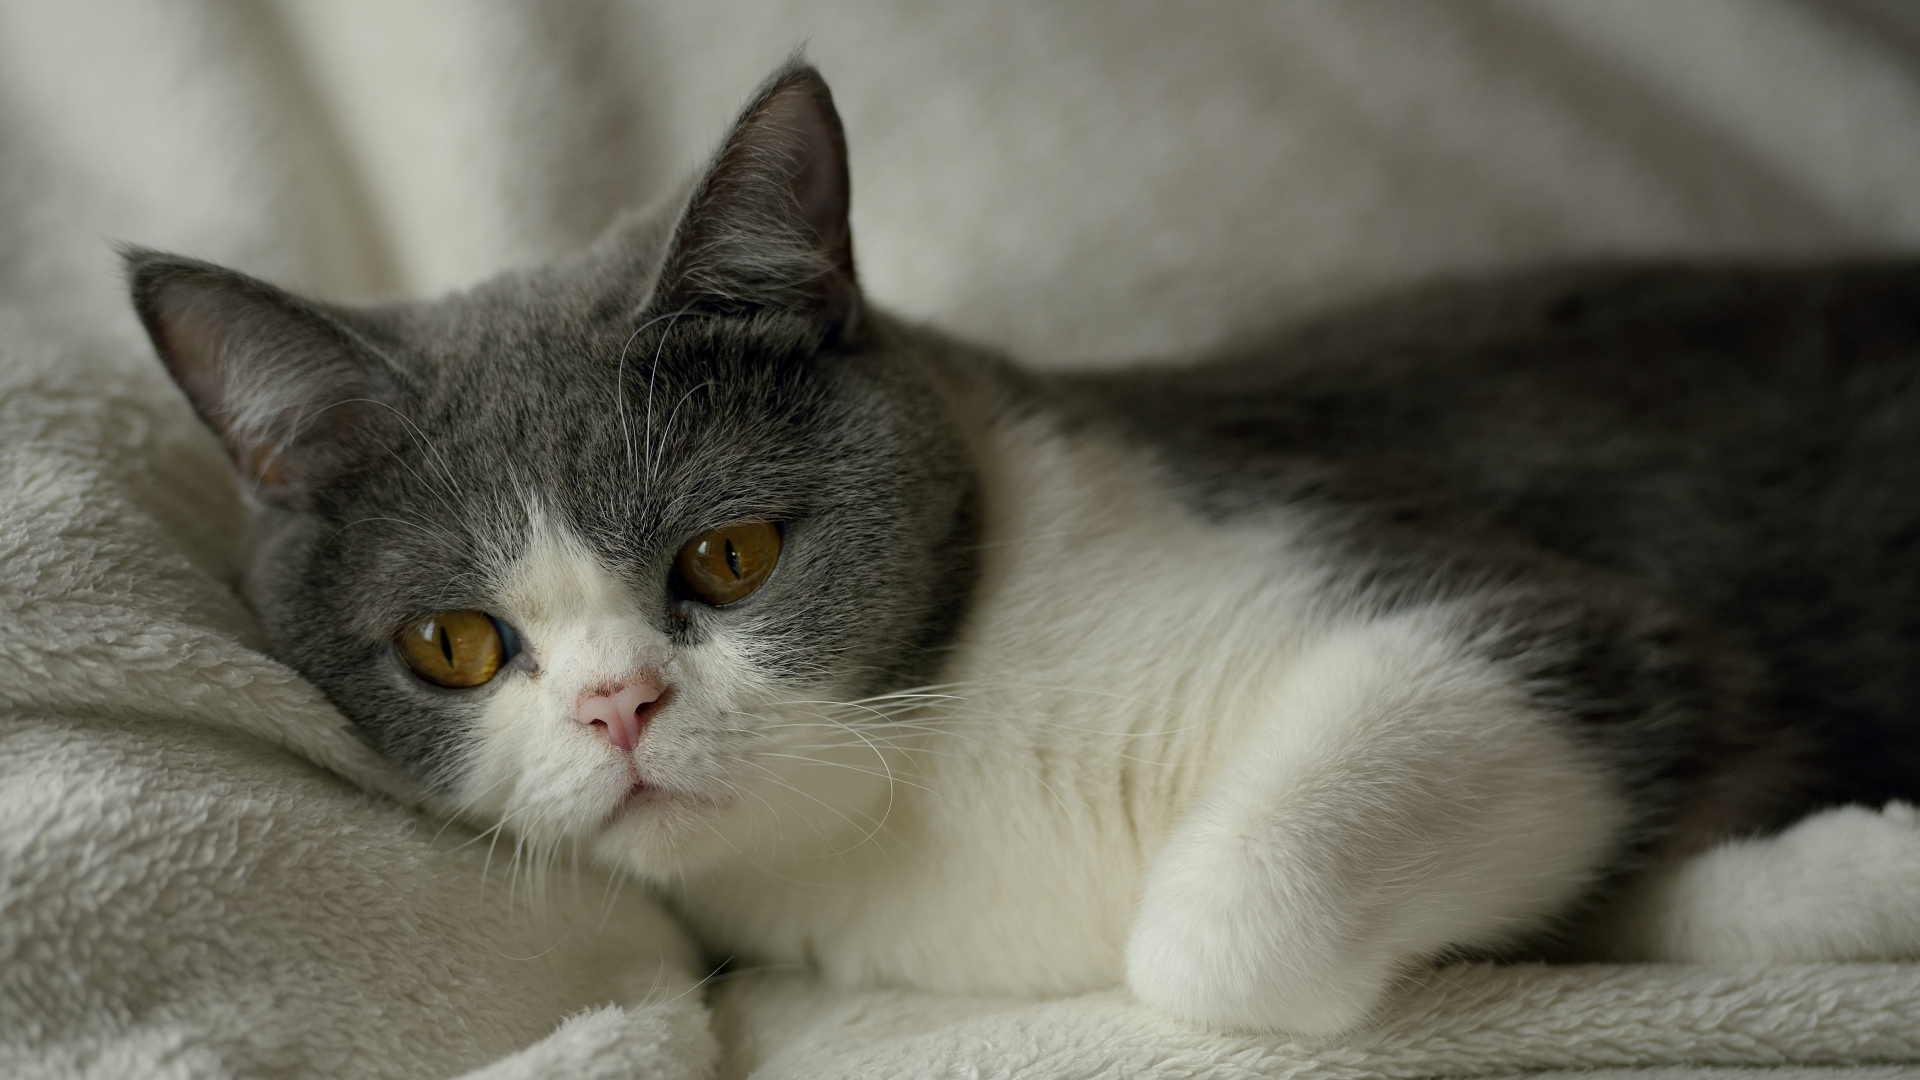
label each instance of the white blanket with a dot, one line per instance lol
(193, 879)
(1463, 1021)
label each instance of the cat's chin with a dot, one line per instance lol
(656, 832)
(642, 794)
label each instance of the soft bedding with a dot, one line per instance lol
(203, 873)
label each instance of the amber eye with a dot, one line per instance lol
(728, 565)
(455, 649)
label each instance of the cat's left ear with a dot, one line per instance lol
(766, 228)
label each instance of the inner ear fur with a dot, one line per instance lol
(766, 227)
(283, 384)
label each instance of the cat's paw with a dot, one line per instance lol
(1237, 941)
(1843, 884)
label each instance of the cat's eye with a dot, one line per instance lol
(728, 565)
(454, 649)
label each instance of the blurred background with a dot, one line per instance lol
(1075, 181)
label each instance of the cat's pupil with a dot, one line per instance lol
(446, 646)
(733, 559)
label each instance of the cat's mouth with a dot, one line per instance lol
(640, 793)
(643, 795)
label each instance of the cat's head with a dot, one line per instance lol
(582, 546)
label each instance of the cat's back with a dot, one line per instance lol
(1745, 441)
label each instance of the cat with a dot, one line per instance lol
(1464, 624)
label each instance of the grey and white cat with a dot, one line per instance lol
(1460, 625)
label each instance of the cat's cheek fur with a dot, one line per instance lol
(532, 767)
(529, 762)
(1400, 799)
(835, 795)
(725, 763)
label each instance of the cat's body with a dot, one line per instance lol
(1504, 449)
(1457, 627)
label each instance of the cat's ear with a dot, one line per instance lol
(281, 382)
(766, 227)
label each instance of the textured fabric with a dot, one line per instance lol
(1463, 1021)
(194, 880)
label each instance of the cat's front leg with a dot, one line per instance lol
(1399, 797)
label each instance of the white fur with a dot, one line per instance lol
(727, 755)
(1395, 800)
(534, 767)
(1080, 711)
(1344, 800)
(1843, 884)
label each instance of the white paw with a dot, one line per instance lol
(1843, 884)
(1240, 941)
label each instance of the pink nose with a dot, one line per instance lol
(619, 713)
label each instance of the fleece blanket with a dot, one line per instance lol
(202, 872)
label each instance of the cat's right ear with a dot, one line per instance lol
(281, 383)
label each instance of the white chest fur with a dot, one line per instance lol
(1162, 751)
(994, 837)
